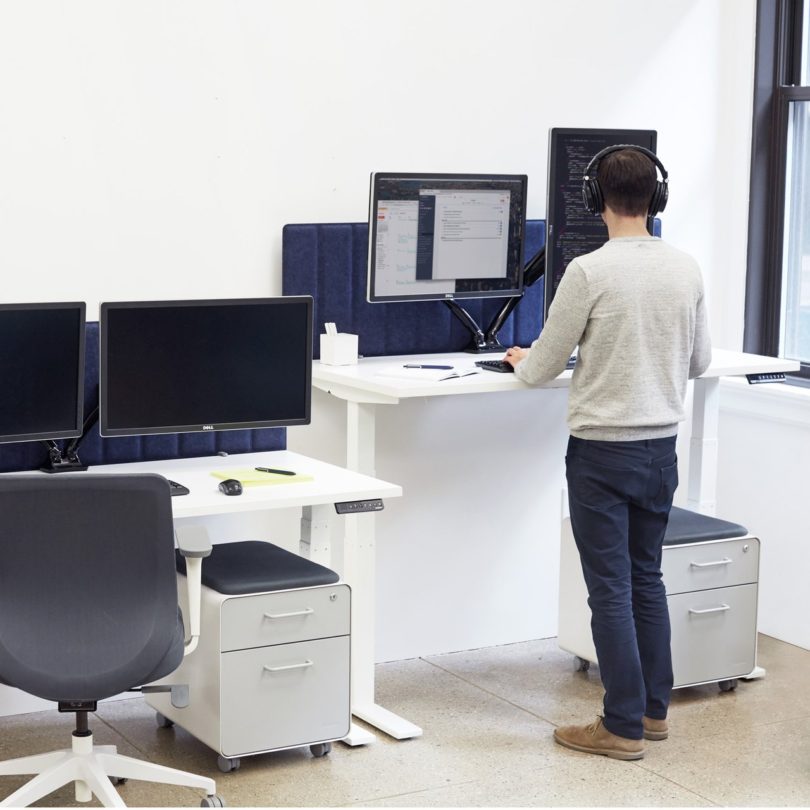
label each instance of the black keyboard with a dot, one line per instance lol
(505, 368)
(495, 365)
(178, 489)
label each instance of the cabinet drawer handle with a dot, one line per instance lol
(304, 612)
(303, 665)
(724, 561)
(720, 609)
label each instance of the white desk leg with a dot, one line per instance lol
(360, 437)
(316, 533)
(702, 496)
(358, 571)
(316, 545)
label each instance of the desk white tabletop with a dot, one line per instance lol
(329, 484)
(366, 381)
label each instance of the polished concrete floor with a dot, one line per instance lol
(488, 717)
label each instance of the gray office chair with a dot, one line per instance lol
(88, 609)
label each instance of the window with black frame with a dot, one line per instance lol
(777, 305)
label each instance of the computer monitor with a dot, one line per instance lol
(185, 366)
(41, 371)
(570, 230)
(445, 236)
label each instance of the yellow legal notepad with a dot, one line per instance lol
(253, 478)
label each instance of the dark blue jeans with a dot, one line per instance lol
(619, 495)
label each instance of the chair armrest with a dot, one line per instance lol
(194, 544)
(193, 541)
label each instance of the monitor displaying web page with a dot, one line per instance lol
(184, 366)
(41, 371)
(445, 236)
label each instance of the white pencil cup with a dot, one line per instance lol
(339, 349)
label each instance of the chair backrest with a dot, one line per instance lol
(88, 594)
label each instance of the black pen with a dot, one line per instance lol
(270, 470)
(425, 365)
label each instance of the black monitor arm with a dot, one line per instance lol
(532, 273)
(481, 341)
(67, 460)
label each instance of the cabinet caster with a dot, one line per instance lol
(213, 801)
(581, 664)
(163, 722)
(728, 686)
(320, 749)
(226, 765)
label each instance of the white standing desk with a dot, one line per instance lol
(316, 499)
(363, 387)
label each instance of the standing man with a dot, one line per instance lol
(636, 309)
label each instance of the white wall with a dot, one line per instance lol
(155, 149)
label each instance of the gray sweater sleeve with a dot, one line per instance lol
(702, 347)
(567, 318)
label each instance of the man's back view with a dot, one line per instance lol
(635, 307)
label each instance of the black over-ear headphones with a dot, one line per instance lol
(592, 193)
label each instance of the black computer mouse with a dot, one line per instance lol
(230, 486)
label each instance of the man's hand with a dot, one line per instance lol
(515, 355)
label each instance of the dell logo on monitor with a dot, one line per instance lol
(207, 427)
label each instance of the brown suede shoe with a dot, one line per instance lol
(655, 729)
(596, 739)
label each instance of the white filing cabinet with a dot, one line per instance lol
(271, 671)
(712, 596)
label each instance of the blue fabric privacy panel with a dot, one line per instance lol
(96, 450)
(329, 262)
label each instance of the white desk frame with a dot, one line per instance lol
(316, 499)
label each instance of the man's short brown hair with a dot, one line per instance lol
(627, 179)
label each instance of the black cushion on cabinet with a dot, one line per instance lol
(253, 566)
(692, 527)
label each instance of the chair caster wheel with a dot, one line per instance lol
(581, 664)
(163, 722)
(118, 780)
(228, 764)
(728, 686)
(320, 749)
(213, 801)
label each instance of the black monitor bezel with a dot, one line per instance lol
(104, 428)
(76, 431)
(617, 136)
(513, 292)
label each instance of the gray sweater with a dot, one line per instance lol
(636, 309)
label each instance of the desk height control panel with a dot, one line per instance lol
(353, 507)
(766, 377)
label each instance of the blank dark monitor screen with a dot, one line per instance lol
(41, 371)
(571, 230)
(184, 366)
(445, 236)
